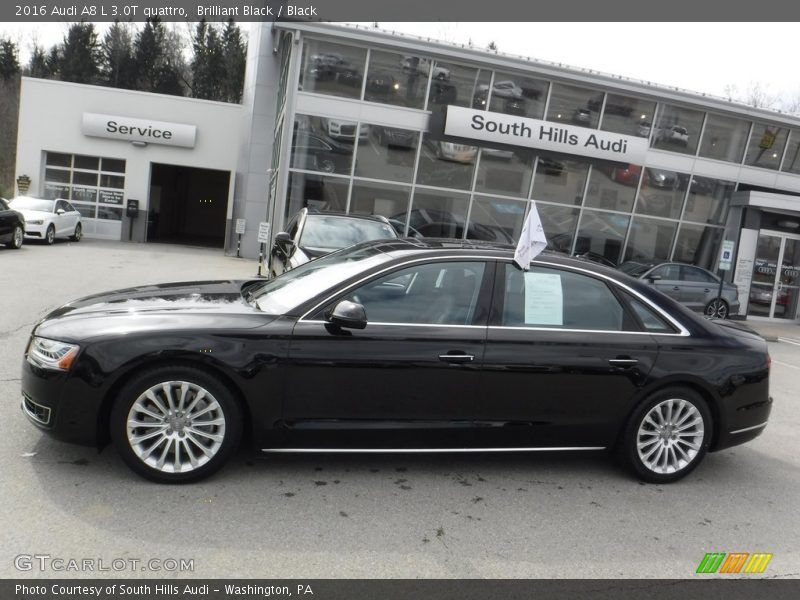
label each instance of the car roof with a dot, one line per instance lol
(342, 215)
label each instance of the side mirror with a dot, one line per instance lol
(653, 278)
(348, 315)
(60, 211)
(285, 242)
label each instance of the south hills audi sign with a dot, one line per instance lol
(498, 128)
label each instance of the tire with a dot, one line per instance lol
(660, 459)
(717, 308)
(16, 238)
(76, 237)
(183, 452)
(50, 235)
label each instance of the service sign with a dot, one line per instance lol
(498, 128)
(139, 130)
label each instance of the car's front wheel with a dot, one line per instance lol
(16, 238)
(667, 436)
(50, 235)
(175, 424)
(717, 308)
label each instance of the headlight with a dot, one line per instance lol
(35, 222)
(50, 354)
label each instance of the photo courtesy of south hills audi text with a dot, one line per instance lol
(142, 590)
(104, 10)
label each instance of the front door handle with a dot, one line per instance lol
(456, 358)
(623, 362)
(676, 289)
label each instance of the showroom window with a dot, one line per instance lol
(559, 224)
(494, 219)
(574, 105)
(661, 193)
(333, 69)
(612, 186)
(457, 85)
(791, 162)
(323, 144)
(677, 129)
(390, 201)
(396, 79)
(602, 233)
(559, 179)
(505, 172)
(517, 95)
(708, 200)
(766, 146)
(626, 115)
(436, 213)
(386, 153)
(316, 192)
(697, 245)
(650, 239)
(724, 138)
(94, 185)
(446, 164)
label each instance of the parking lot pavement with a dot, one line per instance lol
(377, 516)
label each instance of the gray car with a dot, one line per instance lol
(694, 287)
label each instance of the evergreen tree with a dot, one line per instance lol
(234, 51)
(53, 61)
(37, 65)
(157, 63)
(117, 66)
(80, 54)
(9, 63)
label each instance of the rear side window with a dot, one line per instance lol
(547, 297)
(668, 272)
(650, 320)
(697, 275)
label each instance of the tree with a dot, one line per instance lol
(492, 47)
(80, 54)
(756, 94)
(37, 65)
(117, 66)
(53, 61)
(234, 51)
(156, 63)
(9, 63)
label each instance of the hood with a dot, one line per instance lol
(204, 304)
(30, 214)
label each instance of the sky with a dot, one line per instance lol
(699, 57)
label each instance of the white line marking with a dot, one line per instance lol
(789, 341)
(780, 362)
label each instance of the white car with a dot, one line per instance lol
(48, 219)
(345, 130)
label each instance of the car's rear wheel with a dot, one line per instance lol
(16, 238)
(717, 308)
(50, 235)
(76, 237)
(667, 436)
(326, 165)
(175, 424)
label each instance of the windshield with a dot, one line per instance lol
(33, 204)
(332, 233)
(299, 285)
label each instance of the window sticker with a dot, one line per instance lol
(544, 302)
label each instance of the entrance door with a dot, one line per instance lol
(775, 289)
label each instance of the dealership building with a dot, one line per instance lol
(443, 140)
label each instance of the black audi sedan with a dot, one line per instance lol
(399, 345)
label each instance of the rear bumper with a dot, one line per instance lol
(746, 424)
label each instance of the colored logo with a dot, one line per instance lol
(735, 562)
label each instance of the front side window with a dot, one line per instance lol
(667, 272)
(443, 293)
(554, 298)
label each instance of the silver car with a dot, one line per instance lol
(694, 287)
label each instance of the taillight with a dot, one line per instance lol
(769, 362)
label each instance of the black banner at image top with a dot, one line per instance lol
(711, 588)
(66, 11)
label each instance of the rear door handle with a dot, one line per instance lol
(623, 362)
(676, 289)
(456, 358)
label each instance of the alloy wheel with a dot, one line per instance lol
(670, 436)
(176, 426)
(50, 236)
(16, 242)
(717, 308)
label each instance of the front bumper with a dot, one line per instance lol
(34, 231)
(62, 405)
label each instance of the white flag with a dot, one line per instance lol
(531, 240)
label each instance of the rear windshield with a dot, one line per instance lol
(332, 233)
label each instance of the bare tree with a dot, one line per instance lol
(757, 94)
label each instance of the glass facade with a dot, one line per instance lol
(94, 185)
(431, 187)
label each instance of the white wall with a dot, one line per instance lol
(50, 119)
